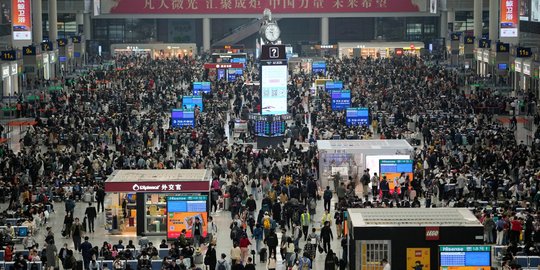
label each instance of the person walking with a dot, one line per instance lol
(51, 253)
(210, 259)
(305, 219)
(76, 234)
(272, 242)
(196, 232)
(91, 214)
(86, 249)
(100, 198)
(327, 196)
(326, 236)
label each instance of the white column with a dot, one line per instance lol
(37, 21)
(444, 19)
(493, 20)
(79, 20)
(87, 26)
(324, 31)
(53, 21)
(206, 33)
(477, 17)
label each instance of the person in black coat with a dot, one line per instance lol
(326, 236)
(210, 259)
(91, 214)
(100, 198)
(330, 261)
(271, 241)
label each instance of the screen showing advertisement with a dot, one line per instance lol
(220, 73)
(274, 89)
(239, 60)
(234, 74)
(333, 85)
(535, 10)
(509, 18)
(393, 168)
(524, 10)
(318, 67)
(21, 19)
(182, 213)
(341, 99)
(180, 118)
(201, 87)
(503, 66)
(465, 257)
(357, 116)
(190, 103)
(372, 162)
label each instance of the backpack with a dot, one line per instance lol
(69, 263)
(327, 195)
(266, 223)
(365, 179)
(305, 264)
(221, 266)
(253, 184)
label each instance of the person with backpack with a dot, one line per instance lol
(365, 184)
(70, 262)
(210, 259)
(304, 263)
(267, 223)
(272, 242)
(223, 264)
(254, 188)
(258, 236)
(327, 197)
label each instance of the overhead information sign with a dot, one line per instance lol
(257, 6)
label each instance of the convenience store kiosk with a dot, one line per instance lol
(404, 236)
(137, 201)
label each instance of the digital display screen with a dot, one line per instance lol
(372, 162)
(465, 257)
(189, 103)
(201, 87)
(182, 212)
(238, 60)
(269, 128)
(503, 66)
(337, 85)
(318, 67)
(62, 59)
(220, 74)
(393, 168)
(234, 73)
(357, 116)
(341, 99)
(180, 118)
(274, 89)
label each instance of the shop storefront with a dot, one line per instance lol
(49, 60)
(156, 51)
(378, 49)
(79, 53)
(33, 62)
(226, 71)
(6, 81)
(156, 202)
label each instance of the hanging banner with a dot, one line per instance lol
(257, 6)
(21, 19)
(509, 18)
(418, 258)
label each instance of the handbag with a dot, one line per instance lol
(320, 249)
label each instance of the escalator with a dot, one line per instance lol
(240, 33)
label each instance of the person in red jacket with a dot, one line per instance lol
(8, 255)
(515, 229)
(244, 247)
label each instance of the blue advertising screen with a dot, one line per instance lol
(220, 73)
(199, 87)
(180, 118)
(234, 73)
(337, 85)
(318, 67)
(341, 99)
(357, 116)
(238, 60)
(465, 257)
(190, 102)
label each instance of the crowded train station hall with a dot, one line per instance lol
(269, 134)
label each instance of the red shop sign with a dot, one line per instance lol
(158, 186)
(432, 233)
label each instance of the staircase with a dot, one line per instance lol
(240, 33)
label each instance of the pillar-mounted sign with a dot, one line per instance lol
(62, 42)
(523, 52)
(9, 55)
(468, 40)
(47, 46)
(455, 36)
(30, 50)
(503, 47)
(76, 39)
(484, 43)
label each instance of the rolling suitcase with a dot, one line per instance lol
(79, 265)
(263, 255)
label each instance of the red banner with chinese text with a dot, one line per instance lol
(21, 20)
(257, 6)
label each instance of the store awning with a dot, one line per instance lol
(157, 181)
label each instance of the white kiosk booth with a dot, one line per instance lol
(352, 157)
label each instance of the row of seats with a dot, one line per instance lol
(156, 264)
(24, 252)
(9, 265)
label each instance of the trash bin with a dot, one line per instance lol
(226, 203)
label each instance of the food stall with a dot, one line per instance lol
(156, 202)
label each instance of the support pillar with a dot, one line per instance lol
(444, 20)
(37, 21)
(206, 34)
(324, 31)
(79, 19)
(53, 21)
(477, 17)
(87, 26)
(493, 20)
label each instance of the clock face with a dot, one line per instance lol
(272, 32)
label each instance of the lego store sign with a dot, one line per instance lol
(257, 6)
(432, 233)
